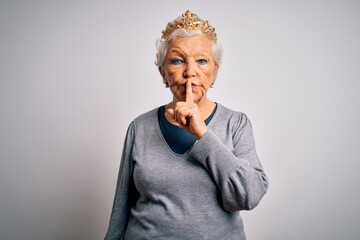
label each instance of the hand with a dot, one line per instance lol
(186, 114)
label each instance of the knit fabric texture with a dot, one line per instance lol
(196, 195)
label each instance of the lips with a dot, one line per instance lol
(192, 84)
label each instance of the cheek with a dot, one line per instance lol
(209, 76)
(173, 75)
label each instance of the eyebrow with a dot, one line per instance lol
(176, 51)
(200, 53)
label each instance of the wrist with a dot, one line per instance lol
(201, 133)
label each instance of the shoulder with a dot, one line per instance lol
(147, 116)
(232, 120)
(147, 120)
(227, 114)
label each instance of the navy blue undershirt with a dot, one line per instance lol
(178, 139)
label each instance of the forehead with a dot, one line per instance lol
(191, 45)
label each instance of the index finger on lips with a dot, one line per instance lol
(189, 93)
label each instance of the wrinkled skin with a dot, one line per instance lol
(189, 71)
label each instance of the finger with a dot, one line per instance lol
(182, 120)
(178, 116)
(189, 93)
(182, 113)
(171, 112)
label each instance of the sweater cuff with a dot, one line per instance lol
(204, 146)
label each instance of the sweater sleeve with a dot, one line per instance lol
(237, 172)
(125, 191)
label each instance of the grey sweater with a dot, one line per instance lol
(196, 195)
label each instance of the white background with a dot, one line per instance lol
(73, 74)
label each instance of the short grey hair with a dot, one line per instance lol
(162, 47)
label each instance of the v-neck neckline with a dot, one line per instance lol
(183, 155)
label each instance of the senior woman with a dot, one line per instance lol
(190, 166)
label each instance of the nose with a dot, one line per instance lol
(189, 70)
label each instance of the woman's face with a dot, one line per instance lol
(189, 59)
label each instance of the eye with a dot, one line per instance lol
(202, 61)
(176, 61)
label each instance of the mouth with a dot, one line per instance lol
(192, 85)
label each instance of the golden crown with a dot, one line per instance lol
(191, 22)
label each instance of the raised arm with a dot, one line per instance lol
(237, 172)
